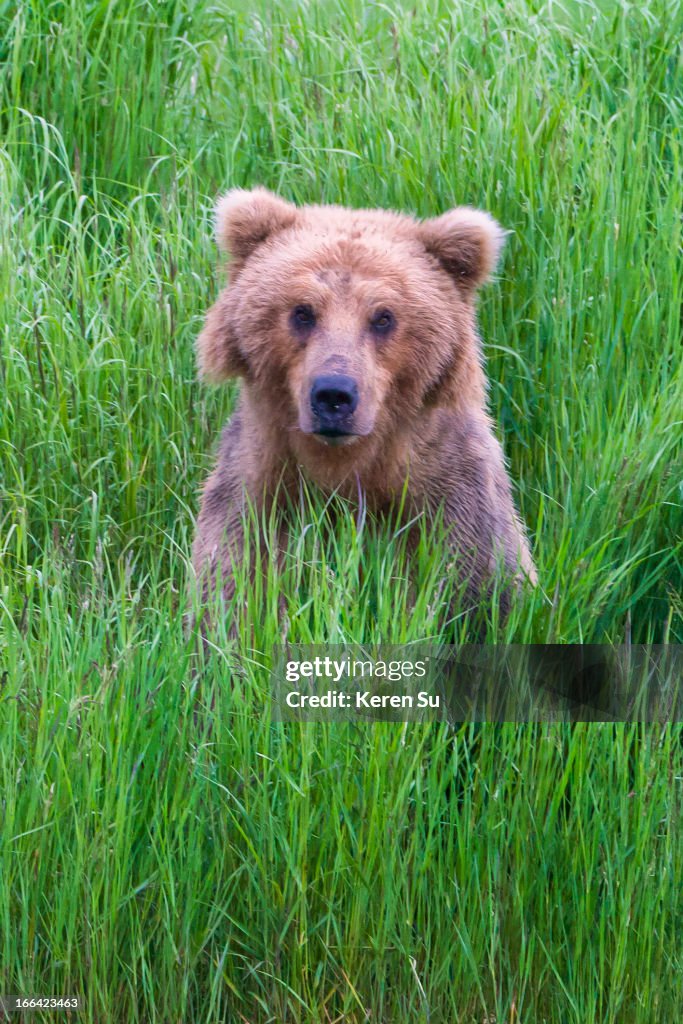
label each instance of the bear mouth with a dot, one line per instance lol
(335, 438)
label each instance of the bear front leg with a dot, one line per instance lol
(217, 557)
(230, 549)
(491, 553)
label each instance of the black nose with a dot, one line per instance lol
(334, 398)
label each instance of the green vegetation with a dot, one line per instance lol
(166, 851)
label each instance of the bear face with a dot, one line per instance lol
(346, 325)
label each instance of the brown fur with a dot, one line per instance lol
(421, 413)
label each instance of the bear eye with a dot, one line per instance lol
(303, 317)
(383, 321)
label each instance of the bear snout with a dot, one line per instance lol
(334, 399)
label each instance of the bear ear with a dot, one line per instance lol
(245, 219)
(466, 242)
(218, 353)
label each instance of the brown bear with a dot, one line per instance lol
(355, 337)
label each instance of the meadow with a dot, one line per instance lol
(168, 852)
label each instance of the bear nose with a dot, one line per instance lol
(333, 398)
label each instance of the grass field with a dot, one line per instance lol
(166, 851)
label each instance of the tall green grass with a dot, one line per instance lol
(165, 850)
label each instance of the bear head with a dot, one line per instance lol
(348, 325)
